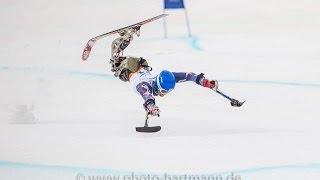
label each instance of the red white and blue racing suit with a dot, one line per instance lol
(143, 81)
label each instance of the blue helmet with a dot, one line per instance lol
(165, 82)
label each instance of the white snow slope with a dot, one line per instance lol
(62, 118)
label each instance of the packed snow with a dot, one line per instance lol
(64, 118)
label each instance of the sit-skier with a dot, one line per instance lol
(137, 72)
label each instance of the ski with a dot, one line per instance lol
(233, 102)
(90, 43)
(146, 128)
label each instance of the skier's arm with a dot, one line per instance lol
(145, 90)
(197, 78)
(186, 76)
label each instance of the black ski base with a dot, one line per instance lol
(148, 129)
(236, 103)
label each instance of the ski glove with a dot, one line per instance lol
(212, 84)
(154, 110)
(151, 108)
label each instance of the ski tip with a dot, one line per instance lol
(241, 103)
(85, 55)
(87, 49)
(237, 103)
(86, 52)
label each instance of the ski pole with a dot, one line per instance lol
(233, 102)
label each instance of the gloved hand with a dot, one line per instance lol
(213, 84)
(151, 108)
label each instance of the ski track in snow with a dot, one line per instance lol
(96, 171)
(80, 74)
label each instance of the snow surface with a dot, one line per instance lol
(61, 116)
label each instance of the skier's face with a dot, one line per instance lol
(163, 93)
